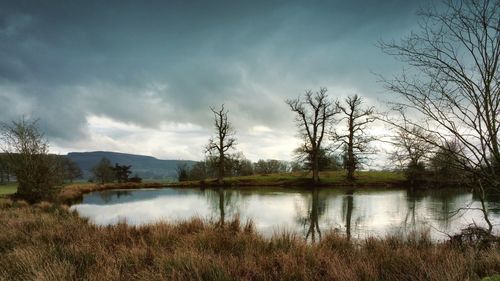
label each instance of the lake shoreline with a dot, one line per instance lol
(76, 191)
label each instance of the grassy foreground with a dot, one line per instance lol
(47, 242)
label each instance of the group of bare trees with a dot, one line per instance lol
(316, 115)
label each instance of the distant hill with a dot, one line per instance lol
(146, 167)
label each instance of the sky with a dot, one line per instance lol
(139, 76)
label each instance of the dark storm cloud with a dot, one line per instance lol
(167, 61)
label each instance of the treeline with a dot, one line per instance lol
(238, 165)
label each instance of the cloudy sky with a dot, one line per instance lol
(139, 76)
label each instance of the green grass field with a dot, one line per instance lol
(7, 189)
(333, 178)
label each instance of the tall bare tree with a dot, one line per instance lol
(455, 86)
(223, 141)
(354, 139)
(314, 113)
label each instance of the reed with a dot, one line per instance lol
(48, 242)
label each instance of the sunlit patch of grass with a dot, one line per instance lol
(6, 189)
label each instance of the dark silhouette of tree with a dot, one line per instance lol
(182, 172)
(238, 165)
(314, 113)
(411, 151)
(223, 140)
(135, 178)
(353, 140)
(446, 165)
(327, 161)
(5, 170)
(67, 169)
(73, 171)
(26, 151)
(457, 90)
(122, 172)
(103, 171)
(270, 166)
(198, 171)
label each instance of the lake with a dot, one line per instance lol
(309, 213)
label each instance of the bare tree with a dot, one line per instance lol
(103, 171)
(27, 156)
(314, 114)
(353, 139)
(223, 140)
(455, 90)
(411, 149)
(411, 146)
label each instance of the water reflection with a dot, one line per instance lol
(309, 218)
(223, 203)
(108, 196)
(311, 213)
(347, 207)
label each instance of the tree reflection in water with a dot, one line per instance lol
(309, 218)
(107, 195)
(222, 202)
(347, 207)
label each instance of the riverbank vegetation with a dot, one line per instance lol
(47, 242)
(303, 179)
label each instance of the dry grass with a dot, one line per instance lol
(75, 191)
(47, 242)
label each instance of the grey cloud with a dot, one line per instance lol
(147, 63)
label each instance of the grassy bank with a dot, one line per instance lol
(74, 191)
(328, 179)
(333, 179)
(46, 242)
(7, 189)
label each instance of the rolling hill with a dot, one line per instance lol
(146, 167)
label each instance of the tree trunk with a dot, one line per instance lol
(221, 207)
(315, 168)
(220, 175)
(348, 216)
(484, 209)
(351, 166)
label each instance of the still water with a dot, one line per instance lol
(309, 213)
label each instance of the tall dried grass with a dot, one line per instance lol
(47, 242)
